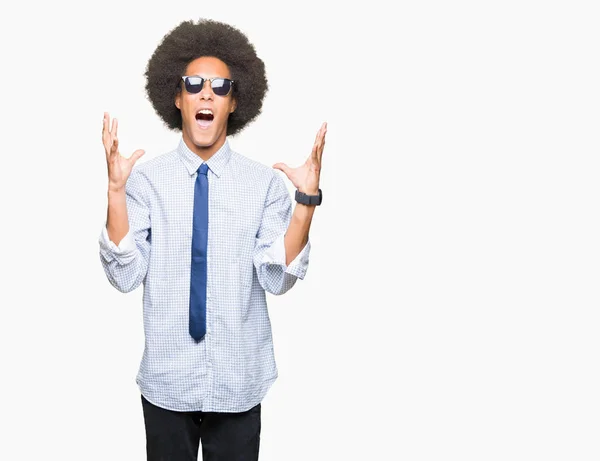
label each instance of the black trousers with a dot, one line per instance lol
(176, 436)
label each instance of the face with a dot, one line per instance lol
(204, 114)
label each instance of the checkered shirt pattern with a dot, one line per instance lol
(232, 368)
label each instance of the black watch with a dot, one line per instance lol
(301, 197)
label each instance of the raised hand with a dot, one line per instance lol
(119, 167)
(306, 177)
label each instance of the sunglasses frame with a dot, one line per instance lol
(204, 80)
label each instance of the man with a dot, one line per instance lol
(208, 232)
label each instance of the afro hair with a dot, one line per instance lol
(189, 41)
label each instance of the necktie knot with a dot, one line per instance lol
(203, 169)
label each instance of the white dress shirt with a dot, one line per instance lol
(233, 366)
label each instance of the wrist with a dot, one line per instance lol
(309, 190)
(116, 191)
(309, 199)
(115, 186)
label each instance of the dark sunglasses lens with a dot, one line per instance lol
(194, 84)
(221, 86)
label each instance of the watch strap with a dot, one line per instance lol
(305, 199)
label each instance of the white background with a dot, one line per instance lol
(450, 311)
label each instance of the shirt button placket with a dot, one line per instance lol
(208, 338)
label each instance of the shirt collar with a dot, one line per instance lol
(216, 163)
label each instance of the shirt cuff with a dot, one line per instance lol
(275, 255)
(124, 252)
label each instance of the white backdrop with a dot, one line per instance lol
(450, 311)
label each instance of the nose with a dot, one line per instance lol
(207, 92)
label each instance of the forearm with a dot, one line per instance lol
(124, 243)
(296, 235)
(117, 222)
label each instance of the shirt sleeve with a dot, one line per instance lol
(269, 254)
(126, 264)
(125, 248)
(275, 255)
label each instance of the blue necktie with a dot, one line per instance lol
(199, 243)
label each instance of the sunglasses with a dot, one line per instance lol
(220, 86)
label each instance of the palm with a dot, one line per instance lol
(306, 177)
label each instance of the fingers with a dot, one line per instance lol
(106, 124)
(107, 135)
(321, 132)
(105, 132)
(115, 125)
(109, 138)
(283, 167)
(317, 150)
(321, 141)
(136, 155)
(318, 134)
(314, 156)
(114, 148)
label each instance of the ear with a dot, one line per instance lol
(178, 100)
(233, 105)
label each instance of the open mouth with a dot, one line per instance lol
(204, 118)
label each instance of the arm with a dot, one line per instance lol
(275, 275)
(125, 260)
(283, 247)
(306, 179)
(296, 236)
(125, 267)
(117, 222)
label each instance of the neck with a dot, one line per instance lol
(204, 152)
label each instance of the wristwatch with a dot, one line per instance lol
(305, 199)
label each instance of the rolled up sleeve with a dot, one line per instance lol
(269, 256)
(126, 264)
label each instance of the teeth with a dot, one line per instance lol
(205, 111)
